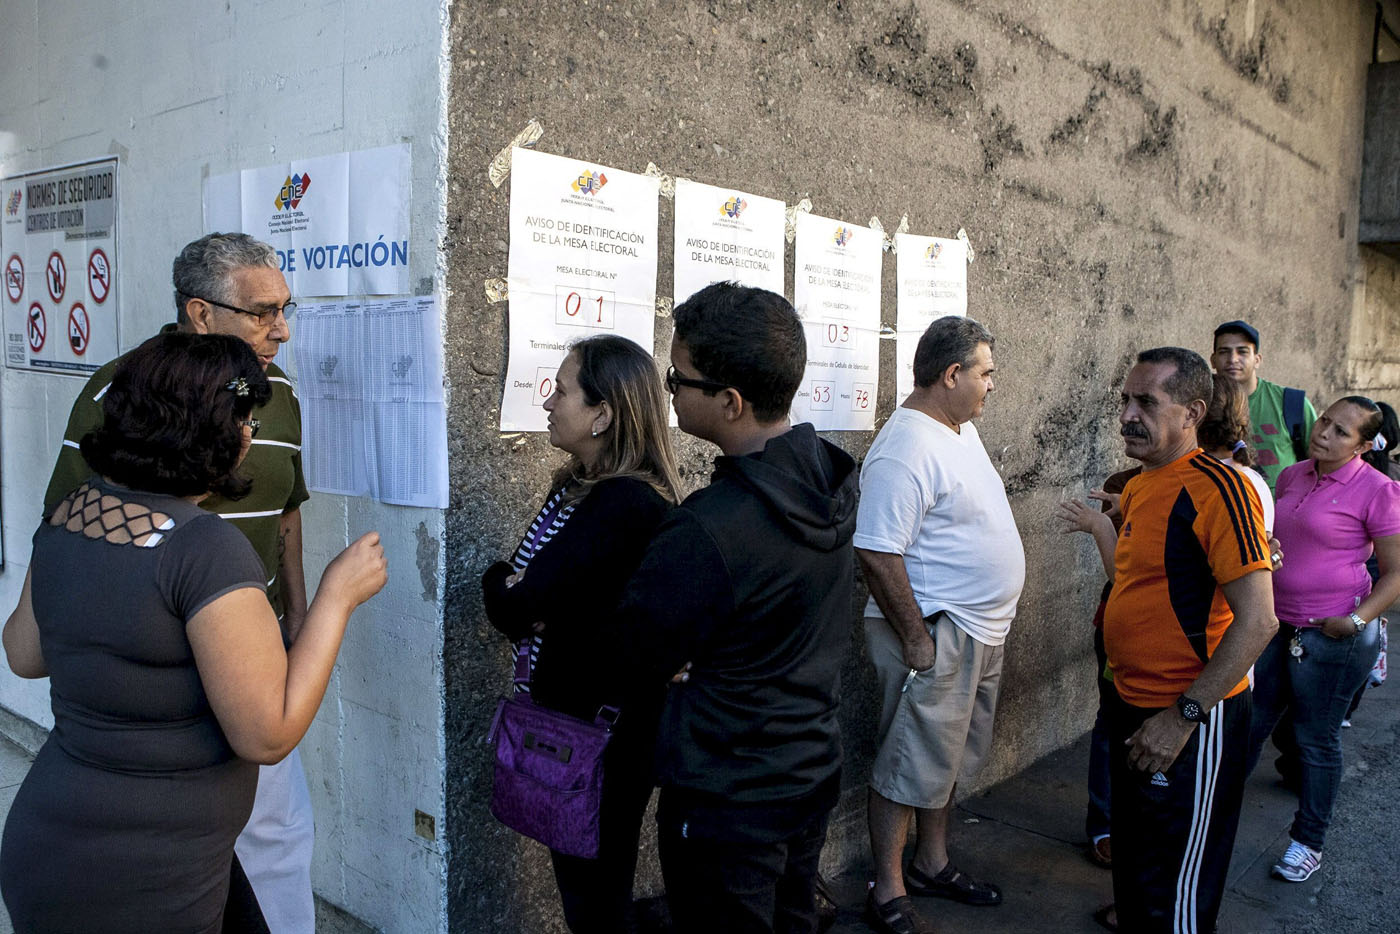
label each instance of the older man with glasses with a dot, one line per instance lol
(230, 284)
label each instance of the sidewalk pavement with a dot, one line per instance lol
(1027, 835)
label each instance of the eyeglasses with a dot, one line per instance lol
(252, 424)
(674, 381)
(264, 317)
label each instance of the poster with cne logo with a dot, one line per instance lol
(339, 223)
(931, 282)
(58, 240)
(725, 235)
(836, 291)
(582, 262)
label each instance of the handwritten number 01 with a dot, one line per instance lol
(573, 302)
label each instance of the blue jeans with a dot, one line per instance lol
(1319, 687)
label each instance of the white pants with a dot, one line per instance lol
(275, 847)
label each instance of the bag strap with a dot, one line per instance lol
(522, 662)
(544, 523)
(1293, 402)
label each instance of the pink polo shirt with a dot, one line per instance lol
(1326, 526)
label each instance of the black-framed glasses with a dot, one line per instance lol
(264, 317)
(252, 424)
(674, 381)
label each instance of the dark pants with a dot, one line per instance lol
(597, 893)
(242, 914)
(1096, 821)
(727, 887)
(1318, 687)
(1173, 831)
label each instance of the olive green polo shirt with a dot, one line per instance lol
(273, 464)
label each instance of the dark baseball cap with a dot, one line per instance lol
(1239, 327)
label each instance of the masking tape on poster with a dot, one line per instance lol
(499, 169)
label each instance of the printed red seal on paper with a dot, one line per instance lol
(37, 328)
(79, 328)
(99, 276)
(14, 278)
(56, 276)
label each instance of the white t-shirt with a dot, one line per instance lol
(1261, 486)
(931, 494)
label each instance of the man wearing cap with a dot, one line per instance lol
(1281, 418)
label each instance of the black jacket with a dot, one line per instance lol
(572, 585)
(751, 581)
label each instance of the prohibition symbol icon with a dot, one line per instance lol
(14, 278)
(37, 328)
(56, 276)
(78, 329)
(99, 276)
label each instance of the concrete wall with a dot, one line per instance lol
(1373, 359)
(1129, 174)
(1380, 164)
(180, 91)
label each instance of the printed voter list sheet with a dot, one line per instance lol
(582, 262)
(723, 235)
(836, 291)
(374, 415)
(931, 282)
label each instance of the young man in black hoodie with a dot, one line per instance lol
(750, 582)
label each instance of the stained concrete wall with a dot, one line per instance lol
(183, 90)
(1129, 174)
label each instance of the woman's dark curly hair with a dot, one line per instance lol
(171, 420)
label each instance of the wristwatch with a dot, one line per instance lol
(1359, 623)
(1191, 710)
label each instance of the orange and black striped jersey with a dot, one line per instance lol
(1188, 527)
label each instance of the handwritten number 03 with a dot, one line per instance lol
(573, 303)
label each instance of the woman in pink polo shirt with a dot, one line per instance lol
(1333, 510)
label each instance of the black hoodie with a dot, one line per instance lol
(750, 580)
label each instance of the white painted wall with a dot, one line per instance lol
(183, 90)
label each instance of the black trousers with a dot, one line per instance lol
(731, 887)
(597, 893)
(242, 915)
(1173, 831)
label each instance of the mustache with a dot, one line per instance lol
(1133, 431)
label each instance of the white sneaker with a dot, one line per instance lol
(1346, 724)
(1298, 863)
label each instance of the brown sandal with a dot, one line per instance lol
(896, 916)
(952, 883)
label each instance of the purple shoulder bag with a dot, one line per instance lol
(548, 781)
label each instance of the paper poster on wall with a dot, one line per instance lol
(836, 290)
(339, 223)
(374, 414)
(582, 262)
(58, 237)
(726, 235)
(931, 282)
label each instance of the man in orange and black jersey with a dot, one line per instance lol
(1191, 609)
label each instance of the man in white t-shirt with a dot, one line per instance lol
(938, 544)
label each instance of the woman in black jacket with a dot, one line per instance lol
(608, 412)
